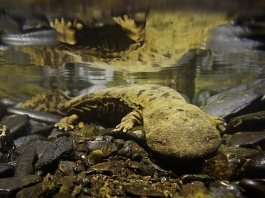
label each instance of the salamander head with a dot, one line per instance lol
(181, 136)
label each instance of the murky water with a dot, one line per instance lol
(83, 46)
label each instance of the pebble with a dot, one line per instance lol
(58, 147)
(247, 139)
(255, 168)
(17, 124)
(36, 115)
(25, 140)
(24, 164)
(229, 106)
(249, 122)
(253, 188)
(10, 186)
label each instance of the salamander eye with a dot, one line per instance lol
(164, 142)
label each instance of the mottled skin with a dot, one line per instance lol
(172, 126)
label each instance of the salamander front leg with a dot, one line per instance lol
(67, 122)
(129, 121)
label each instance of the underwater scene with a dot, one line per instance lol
(132, 98)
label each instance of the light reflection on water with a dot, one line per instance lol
(178, 50)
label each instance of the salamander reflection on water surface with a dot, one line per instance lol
(173, 127)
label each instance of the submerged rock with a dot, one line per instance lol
(9, 186)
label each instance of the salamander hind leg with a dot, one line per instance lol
(67, 122)
(129, 121)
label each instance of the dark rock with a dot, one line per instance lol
(9, 186)
(229, 106)
(255, 168)
(78, 168)
(55, 133)
(229, 191)
(25, 140)
(247, 139)
(105, 146)
(249, 122)
(40, 128)
(223, 166)
(141, 168)
(143, 190)
(43, 189)
(119, 143)
(66, 167)
(39, 145)
(6, 170)
(24, 165)
(253, 188)
(36, 115)
(244, 152)
(58, 147)
(17, 124)
(109, 168)
(132, 149)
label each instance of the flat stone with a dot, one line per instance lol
(230, 105)
(9, 186)
(244, 139)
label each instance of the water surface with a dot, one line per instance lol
(189, 46)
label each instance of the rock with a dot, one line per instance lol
(66, 167)
(35, 115)
(223, 166)
(248, 122)
(6, 170)
(58, 147)
(244, 152)
(9, 186)
(111, 168)
(132, 150)
(229, 191)
(26, 140)
(247, 139)
(255, 168)
(43, 189)
(230, 105)
(40, 128)
(253, 188)
(17, 124)
(24, 165)
(105, 146)
(142, 190)
(140, 168)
